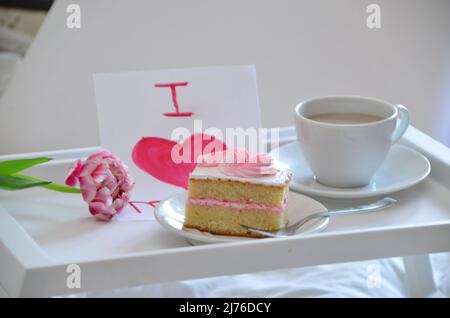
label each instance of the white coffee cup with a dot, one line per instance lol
(348, 155)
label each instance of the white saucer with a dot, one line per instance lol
(403, 168)
(170, 214)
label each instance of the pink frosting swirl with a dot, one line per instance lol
(238, 163)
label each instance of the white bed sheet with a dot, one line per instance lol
(336, 280)
(441, 272)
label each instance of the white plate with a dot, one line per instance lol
(170, 214)
(403, 168)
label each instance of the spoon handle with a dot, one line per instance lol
(377, 205)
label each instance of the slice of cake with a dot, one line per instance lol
(222, 196)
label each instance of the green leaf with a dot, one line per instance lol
(12, 166)
(12, 183)
(51, 186)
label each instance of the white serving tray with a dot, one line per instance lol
(42, 232)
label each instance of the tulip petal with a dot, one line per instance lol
(74, 173)
(100, 173)
(99, 154)
(88, 188)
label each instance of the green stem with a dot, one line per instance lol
(60, 188)
(52, 186)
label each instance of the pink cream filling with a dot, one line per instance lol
(238, 204)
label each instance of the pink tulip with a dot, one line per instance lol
(105, 183)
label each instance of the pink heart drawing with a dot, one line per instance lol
(154, 156)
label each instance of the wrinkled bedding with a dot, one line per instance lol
(374, 278)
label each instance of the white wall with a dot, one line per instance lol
(300, 48)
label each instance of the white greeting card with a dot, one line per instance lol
(138, 113)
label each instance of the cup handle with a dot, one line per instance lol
(403, 125)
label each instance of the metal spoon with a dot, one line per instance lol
(292, 229)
